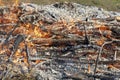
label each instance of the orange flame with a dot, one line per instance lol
(39, 33)
(100, 41)
(18, 53)
(38, 61)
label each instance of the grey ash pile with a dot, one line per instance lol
(61, 41)
(67, 11)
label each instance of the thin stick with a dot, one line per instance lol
(98, 56)
(10, 33)
(18, 40)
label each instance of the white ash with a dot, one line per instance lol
(58, 12)
(68, 11)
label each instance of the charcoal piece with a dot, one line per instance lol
(38, 77)
(17, 41)
(110, 19)
(107, 79)
(4, 10)
(59, 61)
(2, 33)
(86, 41)
(64, 5)
(116, 32)
(10, 33)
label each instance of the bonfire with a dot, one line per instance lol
(34, 46)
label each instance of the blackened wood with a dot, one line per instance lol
(17, 41)
(2, 33)
(116, 32)
(77, 76)
(58, 42)
(10, 33)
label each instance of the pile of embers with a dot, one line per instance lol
(77, 50)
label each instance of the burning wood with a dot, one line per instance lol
(35, 38)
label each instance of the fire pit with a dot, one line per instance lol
(37, 44)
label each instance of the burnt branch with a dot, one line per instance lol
(10, 33)
(17, 41)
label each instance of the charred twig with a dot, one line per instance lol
(73, 59)
(109, 62)
(58, 42)
(27, 55)
(69, 48)
(3, 33)
(10, 33)
(54, 40)
(7, 72)
(116, 32)
(98, 56)
(17, 41)
(8, 24)
(77, 76)
(86, 41)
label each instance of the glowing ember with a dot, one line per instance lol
(39, 33)
(28, 43)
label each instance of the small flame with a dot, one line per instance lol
(100, 41)
(39, 33)
(38, 61)
(18, 53)
(103, 28)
